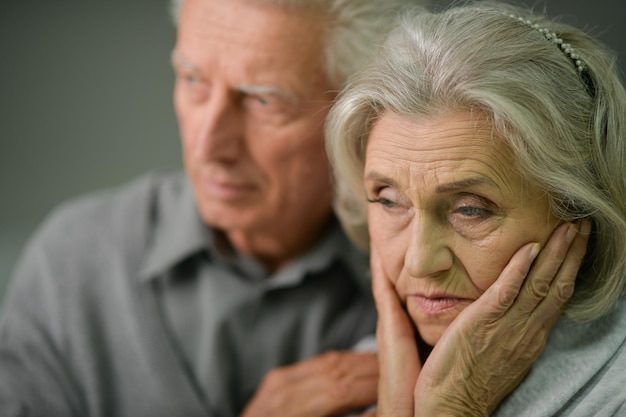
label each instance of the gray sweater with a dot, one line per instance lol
(582, 372)
(122, 306)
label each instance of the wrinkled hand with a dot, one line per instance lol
(330, 384)
(398, 357)
(490, 346)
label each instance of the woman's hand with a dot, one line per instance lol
(490, 346)
(398, 358)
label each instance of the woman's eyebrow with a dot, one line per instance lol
(442, 188)
(464, 183)
(382, 179)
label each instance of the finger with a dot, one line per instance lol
(562, 286)
(502, 294)
(329, 384)
(398, 355)
(329, 396)
(392, 317)
(367, 414)
(394, 325)
(336, 363)
(546, 267)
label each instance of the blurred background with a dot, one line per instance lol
(85, 98)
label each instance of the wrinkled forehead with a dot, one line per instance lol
(252, 42)
(254, 25)
(445, 148)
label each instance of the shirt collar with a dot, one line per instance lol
(178, 230)
(180, 233)
(334, 246)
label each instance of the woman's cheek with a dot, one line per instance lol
(487, 265)
(389, 247)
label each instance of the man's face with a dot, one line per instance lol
(251, 99)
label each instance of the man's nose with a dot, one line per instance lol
(221, 133)
(428, 253)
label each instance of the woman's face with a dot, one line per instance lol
(447, 211)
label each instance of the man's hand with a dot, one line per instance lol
(491, 345)
(331, 384)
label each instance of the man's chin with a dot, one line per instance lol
(230, 219)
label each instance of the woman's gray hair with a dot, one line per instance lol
(354, 28)
(566, 128)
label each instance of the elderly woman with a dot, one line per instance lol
(477, 136)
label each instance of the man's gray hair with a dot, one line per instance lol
(567, 128)
(354, 28)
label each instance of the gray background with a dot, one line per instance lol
(85, 98)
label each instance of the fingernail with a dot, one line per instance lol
(534, 250)
(571, 233)
(585, 227)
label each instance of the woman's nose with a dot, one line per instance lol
(428, 253)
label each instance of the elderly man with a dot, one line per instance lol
(176, 295)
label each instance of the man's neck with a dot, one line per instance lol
(275, 248)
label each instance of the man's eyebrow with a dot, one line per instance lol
(268, 90)
(179, 59)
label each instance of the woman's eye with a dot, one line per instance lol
(390, 199)
(384, 202)
(474, 207)
(471, 211)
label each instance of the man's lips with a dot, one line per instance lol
(433, 305)
(226, 190)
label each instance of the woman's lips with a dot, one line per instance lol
(434, 305)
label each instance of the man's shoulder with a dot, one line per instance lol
(109, 215)
(93, 243)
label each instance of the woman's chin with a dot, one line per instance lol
(430, 335)
(431, 319)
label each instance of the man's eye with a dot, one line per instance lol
(191, 79)
(264, 101)
(268, 109)
(195, 88)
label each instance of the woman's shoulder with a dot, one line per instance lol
(581, 372)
